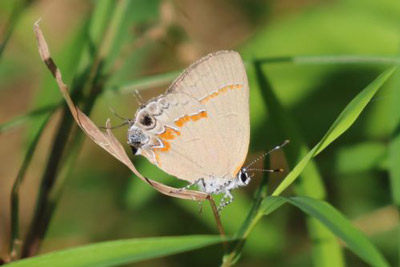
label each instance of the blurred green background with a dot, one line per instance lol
(101, 200)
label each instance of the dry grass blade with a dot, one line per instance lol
(105, 140)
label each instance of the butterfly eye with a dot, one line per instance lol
(243, 177)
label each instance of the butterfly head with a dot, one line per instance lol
(144, 122)
(243, 177)
(136, 138)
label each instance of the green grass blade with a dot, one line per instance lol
(394, 150)
(17, 121)
(394, 146)
(119, 252)
(287, 128)
(353, 110)
(326, 251)
(342, 123)
(341, 227)
(333, 59)
(147, 82)
(270, 204)
(15, 196)
(10, 24)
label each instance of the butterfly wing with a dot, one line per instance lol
(201, 124)
(181, 143)
(219, 82)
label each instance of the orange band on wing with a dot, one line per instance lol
(170, 133)
(187, 118)
(222, 90)
(166, 147)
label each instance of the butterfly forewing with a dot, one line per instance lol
(219, 82)
(184, 152)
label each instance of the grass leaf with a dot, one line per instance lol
(341, 227)
(342, 123)
(270, 204)
(326, 251)
(119, 252)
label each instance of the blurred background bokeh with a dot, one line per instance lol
(101, 199)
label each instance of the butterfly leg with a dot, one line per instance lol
(224, 202)
(196, 182)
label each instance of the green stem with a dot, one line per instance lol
(15, 235)
(166, 78)
(11, 124)
(18, 9)
(332, 59)
(251, 220)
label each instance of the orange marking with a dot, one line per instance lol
(222, 90)
(167, 146)
(237, 169)
(169, 133)
(187, 118)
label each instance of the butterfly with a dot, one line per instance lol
(199, 129)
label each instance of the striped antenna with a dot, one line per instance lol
(266, 154)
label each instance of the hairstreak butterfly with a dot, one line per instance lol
(199, 130)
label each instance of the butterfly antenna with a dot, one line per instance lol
(266, 170)
(126, 121)
(139, 98)
(114, 127)
(117, 115)
(267, 153)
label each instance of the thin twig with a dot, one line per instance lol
(92, 85)
(218, 222)
(107, 140)
(42, 213)
(249, 223)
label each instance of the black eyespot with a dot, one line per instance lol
(243, 177)
(146, 120)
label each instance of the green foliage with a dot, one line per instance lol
(114, 253)
(342, 123)
(306, 65)
(333, 220)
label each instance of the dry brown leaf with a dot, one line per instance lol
(105, 140)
